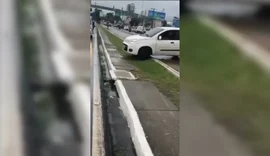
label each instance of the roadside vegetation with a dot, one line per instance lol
(232, 87)
(151, 71)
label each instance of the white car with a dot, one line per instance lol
(140, 29)
(158, 41)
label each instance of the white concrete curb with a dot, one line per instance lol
(55, 35)
(138, 136)
(137, 133)
(61, 46)
(246, 46)
(80, 97)
(170, 69)
(107, 56)
(63, 69)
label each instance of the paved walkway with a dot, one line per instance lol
(159, 117)
(200, 135)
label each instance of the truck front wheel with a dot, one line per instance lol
(144, 53)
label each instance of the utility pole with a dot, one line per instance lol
(143, 15)
(122, 13)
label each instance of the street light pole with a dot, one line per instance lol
(122, 13)
(143, 15)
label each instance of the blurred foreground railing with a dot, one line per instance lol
(11, 129)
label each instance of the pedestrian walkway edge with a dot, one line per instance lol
(140, 142)
(137, 133)
(111, 67)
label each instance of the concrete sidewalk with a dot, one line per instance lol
(201, 135)
(158, 116)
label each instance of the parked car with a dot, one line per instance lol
(140, 29)
(158, 41)
(148, 28)
(126, 27)
(134, 28)
(120, 26)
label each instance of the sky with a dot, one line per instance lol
(171, 7)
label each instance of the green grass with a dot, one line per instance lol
(232, 86)
(151, 71)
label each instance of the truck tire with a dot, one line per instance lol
(144, 53)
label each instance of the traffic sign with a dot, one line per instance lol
(156, 15)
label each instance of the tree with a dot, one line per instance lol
(97, 15)
(109, 17)
(134, 21)
(164, 23)
(131, 9)
(117, 18)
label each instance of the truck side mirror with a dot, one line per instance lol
(159, 37)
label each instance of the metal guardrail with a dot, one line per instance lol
(11, 129)
(78, 92)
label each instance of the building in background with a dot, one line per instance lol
(157, 23)
(131, 8)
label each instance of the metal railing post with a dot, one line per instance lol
(11, 138)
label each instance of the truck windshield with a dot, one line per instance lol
(153, 32)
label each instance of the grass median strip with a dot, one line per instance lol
(149, 70)
(232, 86)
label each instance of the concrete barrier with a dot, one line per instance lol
(107, 56)
(79, 95)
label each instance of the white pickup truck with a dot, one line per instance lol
(158, 41)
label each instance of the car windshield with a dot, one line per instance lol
(153, 32)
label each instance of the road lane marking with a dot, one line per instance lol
(170, 69)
